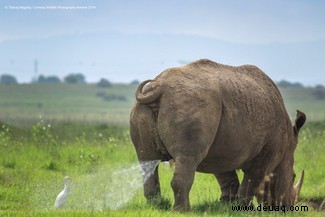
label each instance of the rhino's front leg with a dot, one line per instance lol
(229, 185)
(182, 182)
(152, 187)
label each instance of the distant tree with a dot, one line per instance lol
(81, 78)
(288, 84)
(48, 80)
(104, 83)
(319, 93)
(70, 79)
(319, 86)
(283, 83)
(8, 79)
(41, 79)
(297, 85)
(76, 78)
(53, 79)
(135, 82)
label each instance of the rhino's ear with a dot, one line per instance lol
(300, 120)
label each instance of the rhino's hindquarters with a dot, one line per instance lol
(188, 140)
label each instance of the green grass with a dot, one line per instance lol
(34, 160)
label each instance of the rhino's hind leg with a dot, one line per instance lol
(152, 188)
(248, 189)
(229, 185)
(182, 181)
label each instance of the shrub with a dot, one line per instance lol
(48, 80)
(111, 97)
(104, 83)
(319, 93)
(76, 78)
(8, 79)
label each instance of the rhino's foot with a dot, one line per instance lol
(182, 181)
(229, 185)
(181, 190)
(160, 203)
(154, 199)
(228, 198)
(245, 201)
(180, 208)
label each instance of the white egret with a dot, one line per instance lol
(63, 195)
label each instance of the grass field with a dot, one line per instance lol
(23, 104)
(81, 135)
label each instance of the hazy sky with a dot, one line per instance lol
(127, 40)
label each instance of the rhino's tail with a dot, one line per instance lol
(151, 94)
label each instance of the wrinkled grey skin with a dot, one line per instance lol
(214, 118)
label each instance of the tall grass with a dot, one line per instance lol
(34, 160)
(310, 157)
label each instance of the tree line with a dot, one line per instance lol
(73, 78)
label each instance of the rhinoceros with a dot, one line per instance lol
(215, 118)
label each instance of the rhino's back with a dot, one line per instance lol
(245, 87)
(252, 113)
